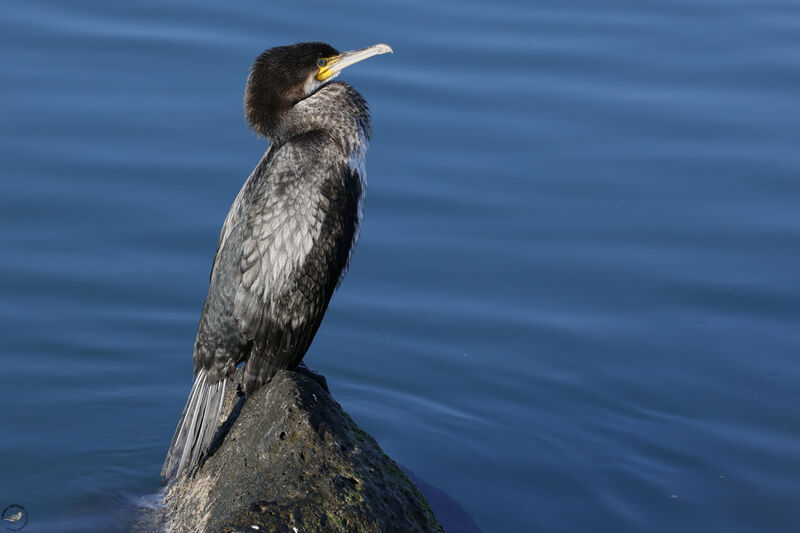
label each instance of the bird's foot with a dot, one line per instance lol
(313, 374)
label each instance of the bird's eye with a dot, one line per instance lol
(322, 62)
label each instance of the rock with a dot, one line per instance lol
(293, 461)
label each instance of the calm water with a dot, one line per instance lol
(575, 303)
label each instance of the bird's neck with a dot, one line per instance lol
(336, 108)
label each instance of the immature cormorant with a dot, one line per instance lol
(287, 238)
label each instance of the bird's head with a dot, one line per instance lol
(282, 76)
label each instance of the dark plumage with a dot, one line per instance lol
(287, 238)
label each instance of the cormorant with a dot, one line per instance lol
(288, 237)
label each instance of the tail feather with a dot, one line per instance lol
(197, 426)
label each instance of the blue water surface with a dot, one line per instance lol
(575, 304)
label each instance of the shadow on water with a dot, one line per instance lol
(451, 515)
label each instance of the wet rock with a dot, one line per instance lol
(293, 461)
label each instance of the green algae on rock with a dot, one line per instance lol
(293, 461)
